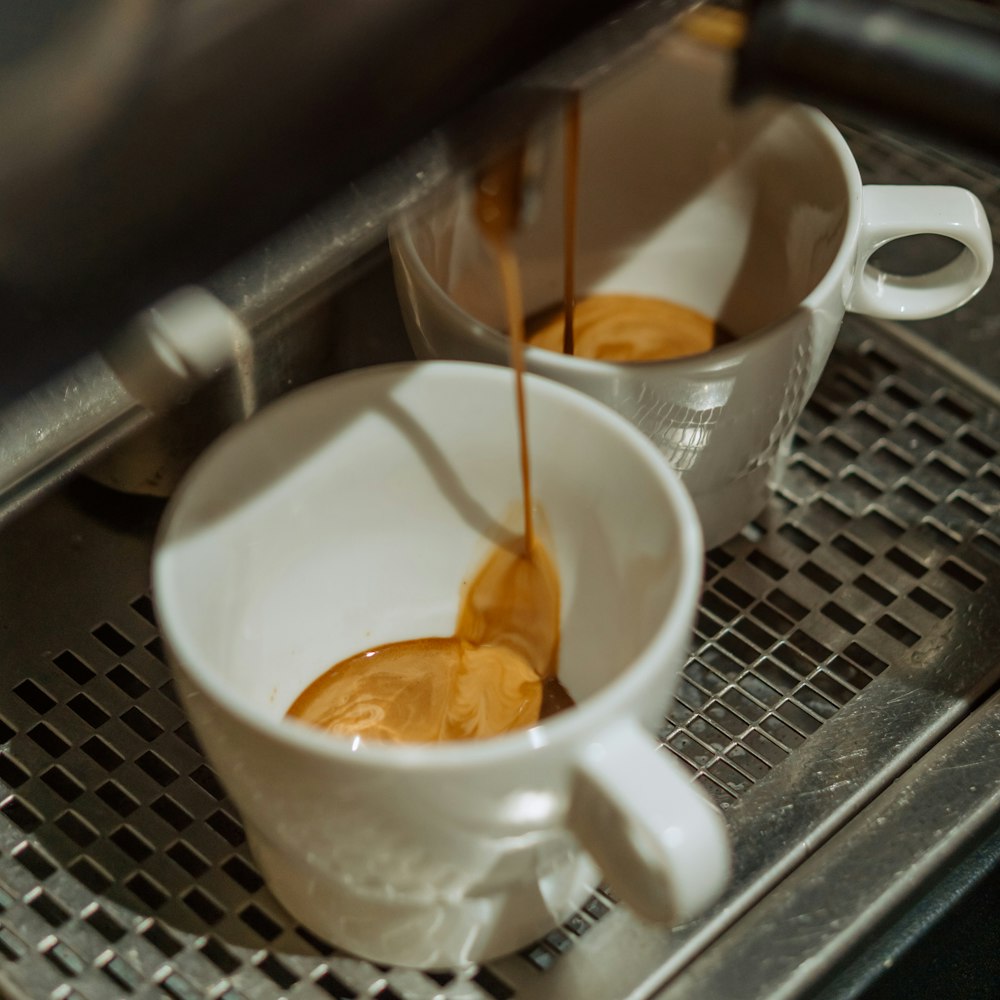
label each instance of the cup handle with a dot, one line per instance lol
(893, 211)
(659, 841)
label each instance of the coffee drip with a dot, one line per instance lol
(498, 210)
(497, 673)
(611, 327)
(571, 178)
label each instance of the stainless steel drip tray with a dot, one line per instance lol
(839, 638)
(841, 649)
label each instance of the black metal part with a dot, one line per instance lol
(930, 69)
(945, 944)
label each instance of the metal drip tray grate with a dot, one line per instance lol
(839, 638)
(882, 535)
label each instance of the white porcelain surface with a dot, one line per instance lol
(757, 218)
(348, 514)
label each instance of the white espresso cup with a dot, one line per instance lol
(347, 515)
(756, 217)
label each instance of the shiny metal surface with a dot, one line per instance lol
(284, 283)
(60, 428)
(832, 650)
(87, 413)
(841, 639)
(161, 140)
(874, 865)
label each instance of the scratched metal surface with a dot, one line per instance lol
(840, 638)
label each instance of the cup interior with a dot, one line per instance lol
(736, 213)
(349, 514)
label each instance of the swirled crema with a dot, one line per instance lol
(497, 673)
(612, 327)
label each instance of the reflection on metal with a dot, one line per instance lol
(59, 429)
(168, 353)
(877, 863)
(842, 640)
(83, 414)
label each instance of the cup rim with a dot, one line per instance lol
(402, 244)
(596, 712)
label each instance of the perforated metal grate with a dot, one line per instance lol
(884, 524)
(123, 868)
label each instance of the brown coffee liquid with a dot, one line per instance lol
(498, 205)
(571, 168)
(612, 327)
(497, 673)
(517, 599)
(518, 605)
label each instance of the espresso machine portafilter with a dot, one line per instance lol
(180, 180)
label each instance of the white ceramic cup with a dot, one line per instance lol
(757, 218)
(348, 514)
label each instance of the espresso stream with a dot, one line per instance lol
(611, 327)
(571, 179)
(497, 673)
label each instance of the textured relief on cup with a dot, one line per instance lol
(717, 428)
(795, 397)
(793, 400)
(681, 432)
(379, 864)
(375, 862)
